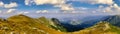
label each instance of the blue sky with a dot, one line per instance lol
(59, 6)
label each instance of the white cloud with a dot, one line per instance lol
(101, 6)
(65, 7)
(10, 11)
(38, 11)
(39, 2)
(23, 12)
(42, 11)
(107, 9)
(20, 13)
(93, 11)
(26, 12)
(82, 8)
(116, 6)
(0, 11)
(112, 8)
(11, 5)
(73, 12)
(109, 2)
(27, 2)
(57, 3)
(1, 3)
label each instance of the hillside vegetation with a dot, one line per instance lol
(21, 24)
(100, 28)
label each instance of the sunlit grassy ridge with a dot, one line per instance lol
(24, 24)
(21, 24)
(101, 28)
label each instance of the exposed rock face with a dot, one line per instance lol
(114, 20)
(56, 21)
(57, 25)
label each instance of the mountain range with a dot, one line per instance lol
(22, 24)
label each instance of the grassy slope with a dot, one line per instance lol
(101, 28)
(23, 24)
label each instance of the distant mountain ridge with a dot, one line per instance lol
(114, 20)
(102, 27)
(22, 24)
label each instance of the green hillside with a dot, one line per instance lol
(21, 24)
(101, 28)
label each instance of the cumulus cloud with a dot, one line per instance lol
(57, 3)
(1, 3)
(112, 9)
(83, 8)
(27, 2)
(10, 11)
(26, 12)
(20, 13)
(42, 11)
(65, 7)
(112, 6)
(11, 5)
(23, 12)
(38, 11)
(116, 6)
(109, 2)
(40, 2)
(0, 11)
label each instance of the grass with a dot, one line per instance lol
(23, 24)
